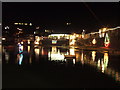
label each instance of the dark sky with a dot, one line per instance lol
(89, 16)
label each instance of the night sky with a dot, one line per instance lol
(50, 15)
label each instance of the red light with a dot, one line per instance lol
(107, 45)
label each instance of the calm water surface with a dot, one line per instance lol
(104, 61)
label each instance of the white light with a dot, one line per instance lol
(25, 23)
(30, 24)
(21, 42)
(16, 23)
(22, 47)
(72, 42)
(36, 42)
(68, 23)
(72, 37)
(58, 35)
(20, 23)
(20, 29)
(3, 38)
(55, 55)
(37, 27)
(118, 27)
(72, 51)
(94, 41)
(28, 41)
(7, 27)
(73, 61)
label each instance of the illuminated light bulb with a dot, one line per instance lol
(30, 24)
(20, 23)
(28, 41)
(16, 23)
(21, 42)
(3, 38)
(94, 41)
(25, 24)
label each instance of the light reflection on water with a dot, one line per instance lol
(94, 58)
(93, 55)
(37, 51)
(1, 53)
(20, 54)
(72, 51)
(20, 59)
(55, 54)
(28, 49)
(101, 63)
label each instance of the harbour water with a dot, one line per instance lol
(52, 59)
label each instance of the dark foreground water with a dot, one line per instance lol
(47, 67)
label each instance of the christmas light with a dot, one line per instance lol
(107, 40)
